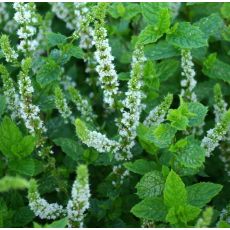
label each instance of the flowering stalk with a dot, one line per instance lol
(82, 104)
(94, 139)
(79, 201)
(220, 106)
(132, 107)
(188, 84)
(27, 18)
(205, 220)
(12, 98)
(62, 105)
(108, 77)
(157, 115)
(9, 53)
(29, 112)
(41, 207)
(215, 135)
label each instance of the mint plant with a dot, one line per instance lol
(114, 115)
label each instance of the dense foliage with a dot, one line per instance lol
(114, 115)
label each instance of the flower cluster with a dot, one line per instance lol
(67, 82)
(62, 105)
(188, 84)
(41, 207)
(225, 214)
(79, 201)
(206, 219)
(120, 172)
(82, 104)
(28, 111)
(12, 98)
(9, 53)
(27, 18)
(95, 139)
(220, 106)
(108, 77)
(215, 135)
(132, 107)
(158, 114)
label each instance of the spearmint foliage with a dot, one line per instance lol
(101, 108)
(79, 201)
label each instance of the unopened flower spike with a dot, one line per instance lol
(41, 207)
(206, 219)
(27, 19)
(79, 202)
(220, 106)
(108, 77)
(82, 104)
(215, 135)
(62, 105)
(132, 107)
(29, 112)
(12, 97)
(94, 139)
(188, 83)
(9, 53)
(158, 114)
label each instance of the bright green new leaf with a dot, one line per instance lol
(201, 193)
(225, 10)
(175, 193)
(8, 182)
(150, 185)
(140, 166)
(187, 36)
(150, 209)
(182, 214)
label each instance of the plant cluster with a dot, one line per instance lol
(114, 114)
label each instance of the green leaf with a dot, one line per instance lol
(199, 112)
(62, 223)
(225, 10)
(2, 105)
(175, 193)
(202, 193)
(182, 214)
(211, 25)
(150, 209)
(54, 39)
(189, 152)
(163, 135)
(152, 33)
(187, 36)
(152, 11)
(10, 135)
(140, 166)
(167, 69)
(72, 148)
(73, 51)
(216, 69)
(23, 216)
(49, 72)
(24, 147)
(161, 50)
(8, 182)
(28, 166)
(150, 185)
(223, 224)
(180, 117)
